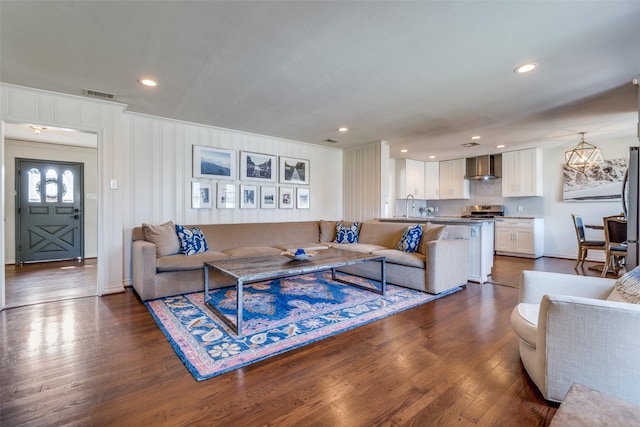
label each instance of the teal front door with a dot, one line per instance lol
(49, 223)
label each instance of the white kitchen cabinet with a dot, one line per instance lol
(521, 237)
(522, 173)
(431, 180)
(409, 178)
(481, 251)
(452, 182)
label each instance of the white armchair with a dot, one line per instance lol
(569, 332)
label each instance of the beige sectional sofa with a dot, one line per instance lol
(440, 264)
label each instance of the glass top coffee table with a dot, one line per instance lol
(257, 269)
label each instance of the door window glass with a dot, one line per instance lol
(67, 187)
(51, 187)
(34, 186)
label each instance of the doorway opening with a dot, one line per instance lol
(52, 219)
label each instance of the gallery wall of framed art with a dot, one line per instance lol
(214, 163)
(201, 196)
(294, 171)
(268, 197)
(282, 176)
(256, 166)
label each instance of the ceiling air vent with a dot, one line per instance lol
(470, 144)
(98, 94)
(333, 141)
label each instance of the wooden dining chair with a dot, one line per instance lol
(615, 236)
(585, 245)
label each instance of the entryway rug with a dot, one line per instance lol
(279, 315)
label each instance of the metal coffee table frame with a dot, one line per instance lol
(257, 269)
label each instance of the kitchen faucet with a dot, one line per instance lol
(413, 204)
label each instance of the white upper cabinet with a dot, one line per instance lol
(522, 173)
(409, 178)
(431, 180)
(452, 182)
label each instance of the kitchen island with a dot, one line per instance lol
(480, 243)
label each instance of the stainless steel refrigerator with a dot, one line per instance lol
(630, 207)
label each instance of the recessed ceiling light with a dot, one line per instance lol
(475, 137)
(432, 157)
(525, 68)
(148, 82)
(500, 146)
(343, 129)
(404, 150)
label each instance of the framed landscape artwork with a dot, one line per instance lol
(226, 196)
(248, 196)
(268, 198)
(294, 171)
(302, 198)
(286, 197)
(599, 183)
(214, 163)
(257, 166)
(201, 196)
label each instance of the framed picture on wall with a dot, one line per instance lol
(226, 196)
(302, 196)
(268, 197)
(286, 198)
(201, 196)
(599, 183)
(214, 163)
(257, 166)
(248, 196)
(294, 171)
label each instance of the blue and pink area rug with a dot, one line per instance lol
(279, 315)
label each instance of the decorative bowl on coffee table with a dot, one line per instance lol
(299, 256)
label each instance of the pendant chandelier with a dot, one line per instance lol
(583, 156)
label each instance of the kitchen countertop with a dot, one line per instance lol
(454, 218)
(436, 219)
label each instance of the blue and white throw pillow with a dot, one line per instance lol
(410, 240)
(192, 240)
(347, 233)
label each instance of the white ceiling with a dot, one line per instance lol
(423, 76)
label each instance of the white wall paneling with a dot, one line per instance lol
(366, 187)
(162, 154)
(25, 105)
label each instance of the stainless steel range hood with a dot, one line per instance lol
(484, 167)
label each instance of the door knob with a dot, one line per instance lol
(76, 216)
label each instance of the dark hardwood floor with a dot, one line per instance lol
(49, 281)
(103, 361)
